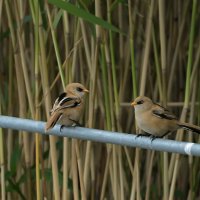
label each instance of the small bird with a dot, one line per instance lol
(68, 107)
(155, 120)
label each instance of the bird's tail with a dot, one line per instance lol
(52, 120)
(189, 127)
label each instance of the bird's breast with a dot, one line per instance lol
(154, 125)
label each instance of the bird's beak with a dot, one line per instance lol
(85, 90)
(133, 103)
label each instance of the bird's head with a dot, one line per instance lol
(76, 89)
(142, 103)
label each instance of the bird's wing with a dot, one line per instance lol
(69, 102)
(162, 113)
(64, 101)
(57, 101)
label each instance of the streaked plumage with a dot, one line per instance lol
(157, 121)
(68, 106)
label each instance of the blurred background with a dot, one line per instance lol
(131, 48)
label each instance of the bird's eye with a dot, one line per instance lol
(79, 89)
(140, 102)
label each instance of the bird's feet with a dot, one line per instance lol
(61, 127)
(153, 137)
(76, 123)
(143, 134)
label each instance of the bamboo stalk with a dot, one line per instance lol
(80, 166)
(190, 136)
(35, 13)
(55, 46)
(187, 88)
(111, 45)
(105, 176)
(23, 63)
(66, 159)
(190, 55)
(149, 173)
(164, 97)
(146, 49)
(45, 87)
(175, 57)
(74, 171)
(2, 164)
(20, 37)
(133, 68)
(92, 96)
(121, 173)
(1, 6)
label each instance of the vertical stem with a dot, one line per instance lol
(163, 66)
(55, 46)
(163, 47)
(23, 63)
(53, 153)
(35, 15)
(116, 100)
(105, 87)
(176, 51)
(74, 171)
(65, 193)
(146, 50)
(92, 64)
(45, 86)
(2, 164)
(187, 89)
(114, 79)
(157, 64)
(131, 41)
(190, 54)
(149, 175)
(80, 170)
(121, 173)
(68, 76)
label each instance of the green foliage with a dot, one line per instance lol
(15, 158)
(14, 186)
(76, 11)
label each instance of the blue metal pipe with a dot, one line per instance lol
(102, 136)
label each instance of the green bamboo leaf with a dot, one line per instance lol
(74, 10)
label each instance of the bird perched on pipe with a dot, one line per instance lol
(155, 120)
(68, 107)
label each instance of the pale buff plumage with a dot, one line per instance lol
(68, 107)
(157, 121)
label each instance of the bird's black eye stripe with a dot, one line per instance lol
(79, 89)
(140, 102)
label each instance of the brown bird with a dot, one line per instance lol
(155, 120)
(68, 107)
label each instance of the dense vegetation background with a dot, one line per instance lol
(140, 47)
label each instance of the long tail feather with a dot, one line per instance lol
(52, 121)
(189, 127)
